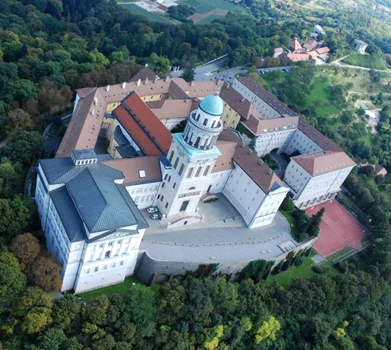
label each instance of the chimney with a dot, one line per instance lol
(228, 85)
(155, 81)
(123, 85)
(242, 99)
(260, 162)
(93, 112)
(192, 83)
(138, 82)
(95, 101)
(107, 88)
(146, 65)
(146, 81)
(186, 100)
(242, 145)
(167, 79)
(250, 151)
(270, 171)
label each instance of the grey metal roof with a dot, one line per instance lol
(104, 157)
(84, 154)
(127, 151)
(99, 202)
(68, 214)
(119, 137)
(129, 201)
(62, 170)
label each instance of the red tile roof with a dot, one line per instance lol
(266, 96)
(320, 163)
(131, 167)
(264, 126)
(249, 162)
(143, 126)
(323, 50)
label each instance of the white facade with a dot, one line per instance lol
(184, 184)
(143, 194)
(92, 262)
(310, 190)
(266, 110)
(256, 207)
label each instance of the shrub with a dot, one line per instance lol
(320, 269)
(287, 204)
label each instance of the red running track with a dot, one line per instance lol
(339, 229)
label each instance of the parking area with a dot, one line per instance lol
(220, 213)
(223, 236)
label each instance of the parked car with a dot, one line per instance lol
(261, 72)
(151, 210)
(286, 70)
(155, 216)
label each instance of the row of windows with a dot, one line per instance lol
(144, 189)
(104, 267)
(87, 161)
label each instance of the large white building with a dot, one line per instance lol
(90, 204)
(320, 167)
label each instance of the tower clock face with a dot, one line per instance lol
(180, 151)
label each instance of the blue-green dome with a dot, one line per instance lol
(212, 104)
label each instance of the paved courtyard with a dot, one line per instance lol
(223, 236)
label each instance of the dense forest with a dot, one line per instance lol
(48, 48)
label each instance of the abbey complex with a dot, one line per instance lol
(119, 158)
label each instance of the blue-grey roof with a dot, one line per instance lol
(84, 154)
(127, 151)
(62, 170)
(99, 202)
(104, 157)
(119, 137)
(212, 104)
(166, 163)
(69, 216)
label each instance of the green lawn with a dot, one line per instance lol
(203, 6)
(320, 98)
(121, 288)
(303, 271)
(369, 61)
(209, 19)
(367, 140)
(292, 221)
(152, 16)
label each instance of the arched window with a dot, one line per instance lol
(176, 162)
(213, 124)
(191, 188)
(171, 156)
(190, 172)
(206, 170)
(198, 117)
(197, 141)
(181, 169)
(206, 142)
(107, 254)
(205, 122)
(198, 171)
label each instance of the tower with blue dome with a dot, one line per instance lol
(204, 124)
(191, 157)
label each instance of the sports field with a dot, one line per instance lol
(339, 229)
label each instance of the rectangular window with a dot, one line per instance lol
(96, 269)
(122, 263)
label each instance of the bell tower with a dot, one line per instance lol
(204, 125)
(192, 156)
